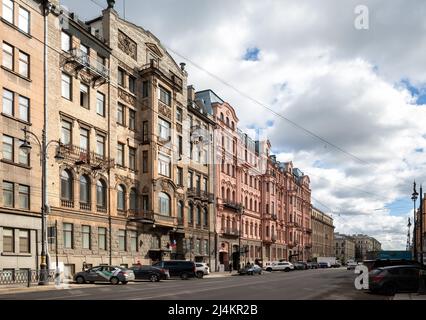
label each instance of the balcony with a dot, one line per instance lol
(67, 203)
(101, 209)
(308, 245)
(200, 194)
(154, 68)
(232, 205)
(164, 221)
(308, 230)
(85, 206)
(83, 157)
(80, 61)
(230, 232)
(143, 217)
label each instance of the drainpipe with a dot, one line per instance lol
(109, 169)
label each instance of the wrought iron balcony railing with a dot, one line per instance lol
(88, 62)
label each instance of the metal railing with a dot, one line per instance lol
(85, 60)
(24, 277)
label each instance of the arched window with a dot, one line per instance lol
(234, 224)
(191, 213)
(180, 211)
(198, 220)
(223, 192)
(205, 217)
(233, 125)
(272, 231)
(247, 228)
(133, 200)
(66, 186)
(255, 205)
(121, 197)
(101, 194)
(251, 228)
(246, 202)
(164, 203)
(228, 194)
(255, 230)
(84, 189)
(228, 223)
(227, 121)
(233, 196)
(223, 223)
(221, 116)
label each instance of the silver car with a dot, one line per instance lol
(111, 274)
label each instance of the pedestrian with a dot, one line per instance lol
(230, 267)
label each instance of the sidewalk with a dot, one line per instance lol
(409, 296)
(220, 274)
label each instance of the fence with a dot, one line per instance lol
(24, 277)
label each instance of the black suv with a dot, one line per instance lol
(374, 264)
(178, 268)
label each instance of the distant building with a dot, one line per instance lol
(344, 247)
(364, 244)
(322, 234)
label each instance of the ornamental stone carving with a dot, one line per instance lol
(165, 111)
(127, 45)
(126, 97)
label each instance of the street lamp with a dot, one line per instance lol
(414, 198)
(26, 148)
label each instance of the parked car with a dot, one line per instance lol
(393, 279)
(299, 265)
(178, 268)
(312, 265)
(374, 264)
(112, 274)
(201, 269)
(150, 273)
(351, 265)
(336, 265)
(279, 266)
(324, 265)
(250, 270)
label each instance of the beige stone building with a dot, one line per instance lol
(344, 247)
(365, 244)
(322, 234)
(21, 85)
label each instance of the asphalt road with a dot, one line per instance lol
(322, 284)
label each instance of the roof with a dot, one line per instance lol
(207, 98)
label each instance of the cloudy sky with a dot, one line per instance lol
(361, 91)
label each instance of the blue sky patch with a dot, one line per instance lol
(418, 93)
(252, 54)
(419, 150)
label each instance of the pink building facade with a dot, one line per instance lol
(262, 207)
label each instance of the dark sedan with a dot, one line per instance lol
(150, 273)
(300, 265)
(393, 279)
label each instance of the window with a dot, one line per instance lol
(102, 238)
(164, 96)
(180, 145)
(84, 50)
(133, 200)
(24, 157)
(66, 86)
(8, 102)
(145, 203)
(132, 84)
(7, 56)
(164, 204)
(190, 179)
(163, 129)
(100, 145)
(191, 213)
(132, 158)
(68, 235)
(122, 240)
(24, 197)
(198, 182)
(24, 20)
(145, 134)
(101, 194)
(164, 165)
(120, 77)
(84, 139)
(66, 132)
(65, 41)
(120, 114)
(132, 119)
(145, 89)
(8, 148)
(180, 211)
(85, 237)
(8, 240)
(205, 217)
(133, 240)
(84, 95)
(66, 185)
(120, 154)
(84, 189)
(121, 198)
(206, 185)
(145, 161)
(24, 64)
(100, 104)
(24, 108)
(179, 176)
(198, 217)
(179, 114)
(8, 10)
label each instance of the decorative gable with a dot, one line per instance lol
(154, 48)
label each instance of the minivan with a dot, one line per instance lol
(178, 268)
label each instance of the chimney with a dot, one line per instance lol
(191, 93)
(182, 66)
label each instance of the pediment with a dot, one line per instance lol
(154, 48)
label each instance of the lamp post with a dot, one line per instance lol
(414, 198)
(26, 148)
